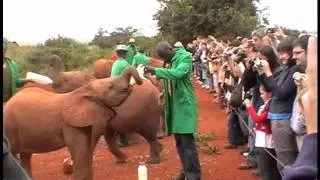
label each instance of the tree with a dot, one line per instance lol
(103, 39)
(184, 20)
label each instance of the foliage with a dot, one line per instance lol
(183, 20)
(202, 143)
(104, 39)
(204, 137)
(76, 56)
(292, 32)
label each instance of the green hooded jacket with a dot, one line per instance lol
(132, 51)
(118, 66)
(11, 78)
(181, 109)
(140, 58)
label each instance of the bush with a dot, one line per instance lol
(75, 56)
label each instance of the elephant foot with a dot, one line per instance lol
(153, 160)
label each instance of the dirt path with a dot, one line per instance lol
(218, 167)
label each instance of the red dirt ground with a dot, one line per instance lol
(48, 166)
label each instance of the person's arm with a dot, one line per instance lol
(18, 69)
(255, 117)
(285, 89)
(311, 112)
(134, 61)
(177, 73)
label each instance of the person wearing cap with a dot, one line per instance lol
(11, 81)
(182, 104)
(178, 45)
(132, 50)
(140, 58)
(117, 68)
(121, 63)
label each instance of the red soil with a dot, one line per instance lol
(48, 166)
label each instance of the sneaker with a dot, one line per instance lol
(246, 154)
(204, 85)
(244, 150)
(247, 165)
(230, 146)
(255, 173)
(198, 78)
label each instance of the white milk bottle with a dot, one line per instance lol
(142, 172)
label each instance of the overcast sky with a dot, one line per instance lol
(34, 21)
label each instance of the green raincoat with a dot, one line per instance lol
(132, 51)
(118, 66)
(140, 58)
(11, 78)
(181, 106)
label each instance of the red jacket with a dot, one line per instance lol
(262, 122)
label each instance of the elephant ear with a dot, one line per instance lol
(85, 112)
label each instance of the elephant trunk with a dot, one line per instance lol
(56, 64)
(131, 71)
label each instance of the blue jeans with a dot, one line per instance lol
(11, 168)
(188, 154)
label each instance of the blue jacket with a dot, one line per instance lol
(306, 166)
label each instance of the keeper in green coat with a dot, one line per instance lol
(117, 68)
(11, 76)
(121, 63)
(140, 58)
(132, 50)
(11, 81)
(182, 116)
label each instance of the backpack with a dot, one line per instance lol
(236, 96)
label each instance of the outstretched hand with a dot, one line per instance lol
(149, 69)
(312, 72)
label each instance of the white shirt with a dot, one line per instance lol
(262, 139)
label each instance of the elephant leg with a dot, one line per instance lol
(80, 145)
(155, 146)
(26, 162)
(110, 137)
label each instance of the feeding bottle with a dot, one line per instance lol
(142, 172)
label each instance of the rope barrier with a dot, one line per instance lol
(243, 121)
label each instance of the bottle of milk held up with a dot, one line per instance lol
(142, 172)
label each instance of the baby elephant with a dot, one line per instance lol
(39, 121)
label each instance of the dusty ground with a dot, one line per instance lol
(217, 167)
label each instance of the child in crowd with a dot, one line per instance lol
(263, 137)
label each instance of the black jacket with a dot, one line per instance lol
(283, 88)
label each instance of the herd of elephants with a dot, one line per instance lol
(78, 108)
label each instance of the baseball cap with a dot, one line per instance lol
(122, 47)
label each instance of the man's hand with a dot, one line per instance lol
(149, 69)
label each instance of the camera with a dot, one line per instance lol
(255, 63)
(247, 95)
(240, 56)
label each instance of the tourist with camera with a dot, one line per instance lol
(284, 92)
(263, 136)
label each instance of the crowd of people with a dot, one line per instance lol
(260, 82)
(263, 83)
